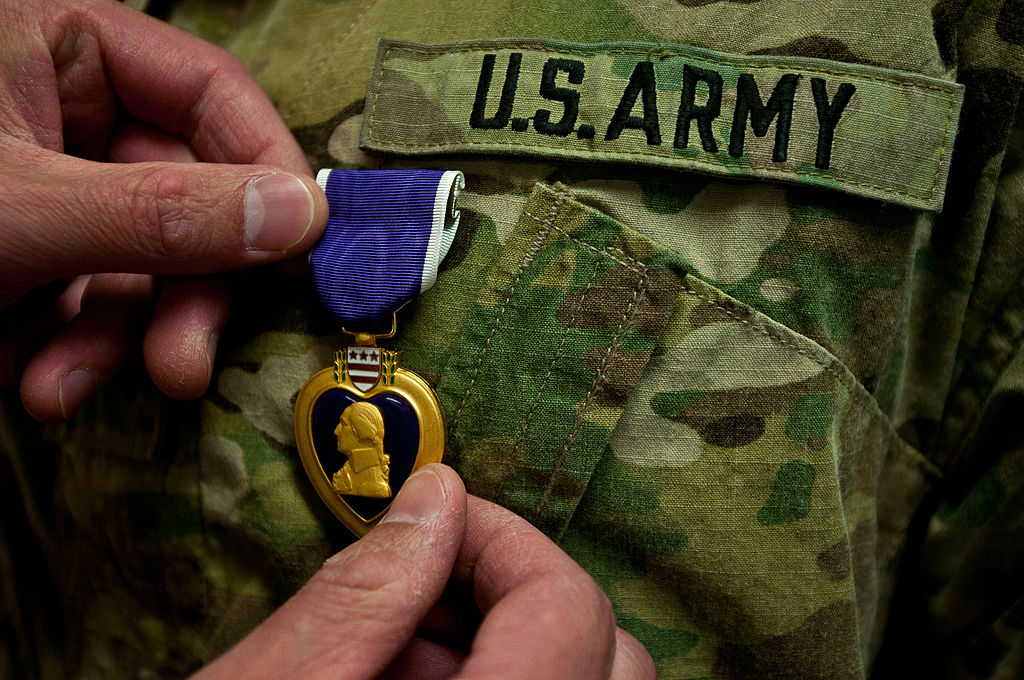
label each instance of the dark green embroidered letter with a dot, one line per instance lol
(508, 93)
(703, 114)
(642, 80)
(569, 97)
(749, 104)
(828, 117)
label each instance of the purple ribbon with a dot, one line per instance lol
(387, 232)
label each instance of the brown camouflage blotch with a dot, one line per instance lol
(706, 314)
(657, 302)
(720, 311)
(397, 92)
(817, 443)
(822, 648)
(818, 334)
(703, 3)
(731, 432)
(484, 463)
(488, 185)
(648, 301)
(946, 15)
(875, 329)
(468, 224)
(819, 47)
(835, 561)
(620, 373)
(604, 303)
(1010, 24)
(432, 377)
(753, 401)
(701, 596)
(852, 236)
(776, 261)
(314, 138)
(560, 484)
(870, 568)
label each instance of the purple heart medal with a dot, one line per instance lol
(365, 424)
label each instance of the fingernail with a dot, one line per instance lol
(74, 388)
(211, 353)
(419, 500)
(278, 212)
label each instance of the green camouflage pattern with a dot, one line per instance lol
(891, 140)
(778, 424)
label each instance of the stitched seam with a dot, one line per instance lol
(627, 317)
(763, 330)
(856, 390)
(834, 366)
(673, 161)
(943, 146)
(542, 234)
(626, 261)
(376, 96)
(544, 382)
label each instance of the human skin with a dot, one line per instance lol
(128, 150)
(515, 605)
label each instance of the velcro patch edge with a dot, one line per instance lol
(864, 130)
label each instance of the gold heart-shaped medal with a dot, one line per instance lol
(362, 427)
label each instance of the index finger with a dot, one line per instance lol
(168, 78)
(544, 617)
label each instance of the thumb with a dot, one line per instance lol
(364, 605)
(69, 216)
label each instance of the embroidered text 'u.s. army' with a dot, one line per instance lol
(864, 130)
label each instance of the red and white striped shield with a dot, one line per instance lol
(363, 366)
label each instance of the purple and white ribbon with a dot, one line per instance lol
(387, 232)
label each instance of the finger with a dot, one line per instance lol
(167, 78)
(424, 660)
(181, 341)
(544, 617)
(363, 606)
(90, 350)
(33, 321)
(632, 662)
(454, 620)
(68, 216)
(135, 142)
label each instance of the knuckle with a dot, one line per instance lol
(228, 63)
(164, 214)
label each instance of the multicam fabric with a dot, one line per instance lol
(779, 425)
(873, 132)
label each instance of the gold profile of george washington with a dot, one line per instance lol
(360, 434)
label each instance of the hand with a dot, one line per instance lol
(360, 616)
(103, 113)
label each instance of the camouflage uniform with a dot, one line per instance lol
(773, 416)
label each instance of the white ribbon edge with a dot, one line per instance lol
(442, 231)
(321, 178)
